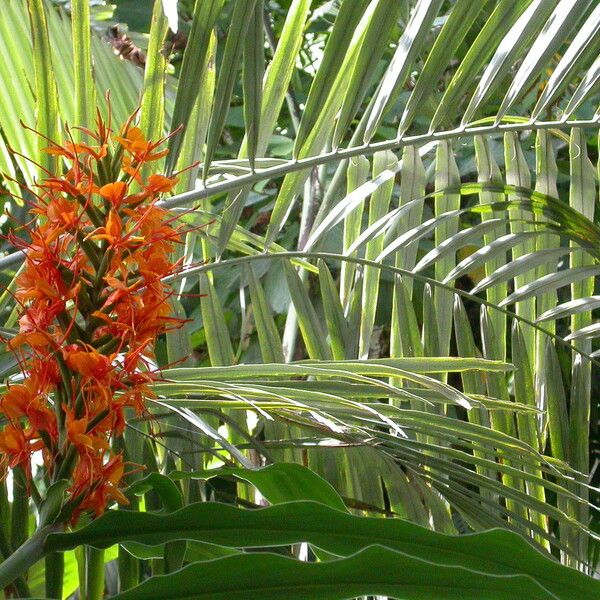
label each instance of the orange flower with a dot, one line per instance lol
(89, 363)
(18, 444)
(114, 192)
(159, 184)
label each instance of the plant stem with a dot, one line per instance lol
(26, 555)
(54, 573)
(94, 573)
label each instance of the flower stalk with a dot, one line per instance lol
(91, 304)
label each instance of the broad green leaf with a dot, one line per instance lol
(278, 483)
(381, 571)
(495, 552)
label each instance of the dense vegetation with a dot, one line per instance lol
(340, 339)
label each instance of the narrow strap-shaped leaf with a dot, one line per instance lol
(462, 16)
(308, 321)
(408, 48)
(378, 207)
(152, 112)
(550, 283)
(586, 85)
(518, 36)
(217, 334)
(192, 148)
(492, 33)
(341, 340)
(253, 71)
(582, 198)
(46, 96)
(357, 174)
(205, 16)
(561, 22)
(82, 64)
(526, 424)
(517, 173)
(412, 187)
(524, 264)
(241, 17)
(346, 21)
(373, 45)
(268, 336)
(488, 171)
(579, 49)
(446, 176)
(275, 86)
(319, 135)
(179, 347)
(571, 307)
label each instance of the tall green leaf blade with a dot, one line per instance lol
(408, 48)
(373, 45)
(268, 336)
(584, 43)
(85, 99)
(46, 95)
(242, 15)
(561, 22)
(308, 321)
(275, 86)
(493, 32)
(217, 334)
(152, 111)
(462, 16)
(520, 33)
(446, 176)
(253, 71)
(205, 16)
(378, 207)
(347, 19)
(341, 340)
